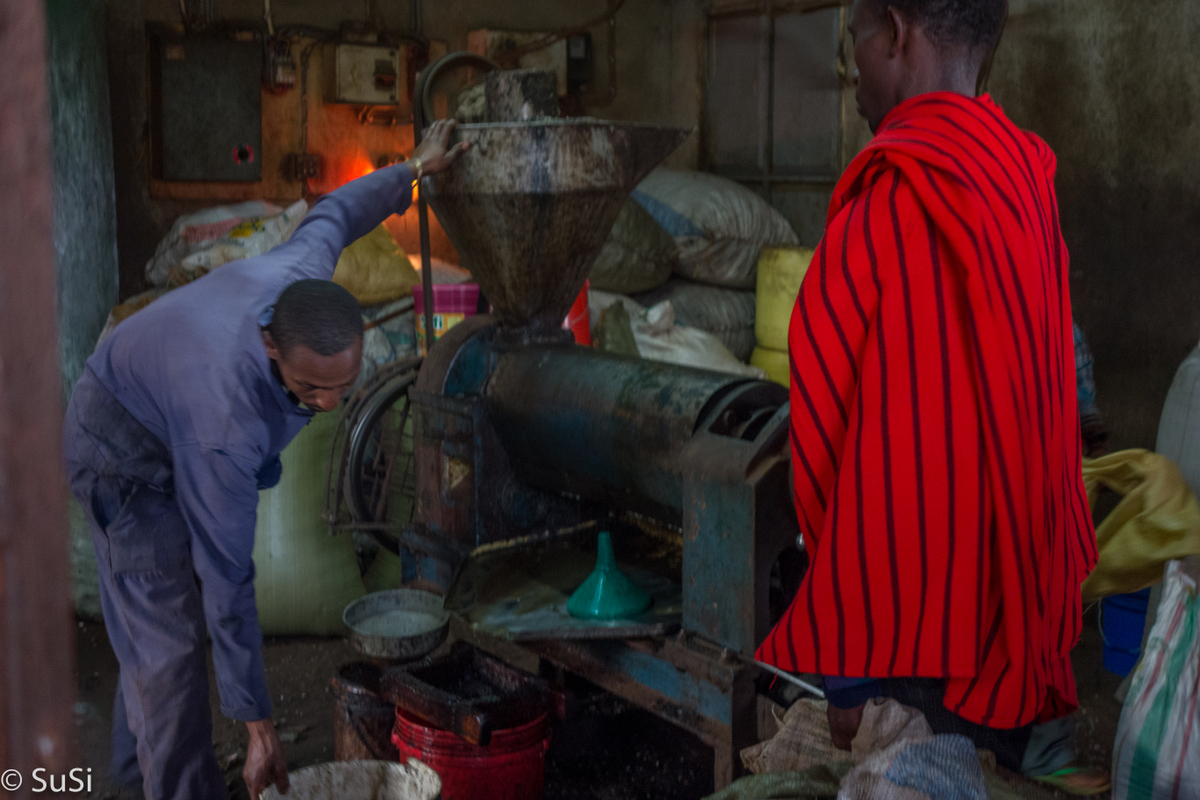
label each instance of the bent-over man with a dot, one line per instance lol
(176, 423)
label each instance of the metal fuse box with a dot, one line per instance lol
(366, 75)
(206, 109)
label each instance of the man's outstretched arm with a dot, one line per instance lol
(346, 214)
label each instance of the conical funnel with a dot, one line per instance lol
(607, 593)
(529, 205)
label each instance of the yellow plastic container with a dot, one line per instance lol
(773, 362)
(780, 271)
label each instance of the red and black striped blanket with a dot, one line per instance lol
(935, 430)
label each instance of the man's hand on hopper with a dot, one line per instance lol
(432, 152)
(265, 761)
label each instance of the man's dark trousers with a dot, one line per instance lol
(122, 475)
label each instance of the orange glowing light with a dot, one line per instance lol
(360, 166)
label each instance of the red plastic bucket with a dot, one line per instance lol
(511, 767)
(578, 322)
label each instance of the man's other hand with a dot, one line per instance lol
(432, 151)
(265, 761)
(843, 725)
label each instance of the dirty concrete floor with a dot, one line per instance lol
(298, 673)
(607, 750)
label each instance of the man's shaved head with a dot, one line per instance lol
(315, 340)
(973, 24)
(904, 48)
(319, 315)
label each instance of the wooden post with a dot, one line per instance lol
(37, 685)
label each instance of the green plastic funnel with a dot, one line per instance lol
(607, 593)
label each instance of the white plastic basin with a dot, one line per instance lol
(361, 780)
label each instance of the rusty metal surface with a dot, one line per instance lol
(517, 432)
(600, 425)
(466, 491)
(738, 515)
(529, 205)
(684, 680)
(37, 662)
(443, 429)
(362, 721)
(467, 692)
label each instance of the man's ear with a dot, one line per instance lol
(901, 31)
(272, 349)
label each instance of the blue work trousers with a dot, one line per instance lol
(162, 722)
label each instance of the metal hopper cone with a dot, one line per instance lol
(529, 205)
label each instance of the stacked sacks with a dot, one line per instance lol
(719, 226)
(727, 314)
(199, 243)
(637, 256)
(693, 239)
(621, 325)
(780, 271)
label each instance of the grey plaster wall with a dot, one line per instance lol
(1114, 87)
(84, 196)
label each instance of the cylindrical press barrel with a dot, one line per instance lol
(604, 427)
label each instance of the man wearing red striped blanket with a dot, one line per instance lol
(935, 430)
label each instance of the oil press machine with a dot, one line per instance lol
(517, 432)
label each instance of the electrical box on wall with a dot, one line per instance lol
(366, 75)
(205, 108)
(580, 66)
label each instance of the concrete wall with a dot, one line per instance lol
(85, 224)
(657, 47)
(1114, 87)
(84, 214)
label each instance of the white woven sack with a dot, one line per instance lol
(720, 226)
(1156, 755)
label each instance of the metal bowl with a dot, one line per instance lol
(397, 625)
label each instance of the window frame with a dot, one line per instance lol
(768, 177)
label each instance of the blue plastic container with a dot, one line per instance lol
(1122, 620)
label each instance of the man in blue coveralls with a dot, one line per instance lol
(176, 423)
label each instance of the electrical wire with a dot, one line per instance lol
(508, 58)
(305, 54)
(792, 679)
